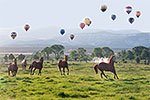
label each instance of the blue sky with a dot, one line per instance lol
(70, 13)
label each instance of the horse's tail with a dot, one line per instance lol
(95, 68)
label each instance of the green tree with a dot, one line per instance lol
(107, 52)
(46, 52)
(82, 53)
(21, 57)
(11, 57)
(58, 50)
(144, 55)
(74, 55)
(137, 59)
(138, 50)
(97, 52)
(129, 55)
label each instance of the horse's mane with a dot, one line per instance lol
(110, 59)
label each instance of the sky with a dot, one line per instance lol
(70, 13)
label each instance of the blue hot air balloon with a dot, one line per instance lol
(62, 31)
(131, 20)
(113, 17)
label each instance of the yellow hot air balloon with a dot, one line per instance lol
(87, 21)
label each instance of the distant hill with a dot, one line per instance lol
(87, 38)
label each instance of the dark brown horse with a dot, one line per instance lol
(106, 67)
(37, 65)
(24, 64)
(12, 67)
(63, 64)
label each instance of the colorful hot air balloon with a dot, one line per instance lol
(13, 35)
(82, 25)
(87, 21)
(131, 20)
(128, 9)
(26, 27)
(62, 31)
(113, 17)
(103, 8)
(138, 13)
(71, 36)
(90, 23)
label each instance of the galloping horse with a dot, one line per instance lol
(24, 64)
(12, 67)
(37, 65)
(63, 64)
(106, 67)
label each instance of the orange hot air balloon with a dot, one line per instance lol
(82, 25)
(26, 27)
(87, 21)
(138, 13)
(71, 36)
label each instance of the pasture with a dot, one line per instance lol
(81, 84)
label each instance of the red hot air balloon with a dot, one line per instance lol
(82, 25)
(26, 27)
(128, 9)
(138, 13)
(71, 36)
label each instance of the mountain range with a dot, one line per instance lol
(83, 38)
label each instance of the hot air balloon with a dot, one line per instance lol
(26, 27)
(90, 23)
(113, 17)
(131, 20)
(62, 31)
(138, 13)
(103, 8)
(82, 25)
(87, 21)
(128, 9)
(13, 35)
(71, 36)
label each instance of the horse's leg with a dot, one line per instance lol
(33, 71)
(104, 74)
(60, 70)
(39, 71)
(115, 74)
(101, 75)
(8, 72)
(67, 70)
(64, 70)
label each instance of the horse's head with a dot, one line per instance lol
(41, 59)
(95, 68)
(66, 57)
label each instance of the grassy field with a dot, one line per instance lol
(81, 84)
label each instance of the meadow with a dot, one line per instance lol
(81, 84)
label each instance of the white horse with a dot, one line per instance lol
(24, 64)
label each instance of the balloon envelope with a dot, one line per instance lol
(87, 21)
(62, 31)
(13, 35)
(113, 17)
(71, 36)
(131, 20)
(82, 25)
(103, 8)
(128, 9)
(138, 13)
(26, 27)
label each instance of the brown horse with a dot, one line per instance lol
(63, 64)
(106, 67)
(24, 64)
(12, 67)
(37, 65)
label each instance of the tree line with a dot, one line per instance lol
(56, 52)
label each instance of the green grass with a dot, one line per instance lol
(81, 84)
